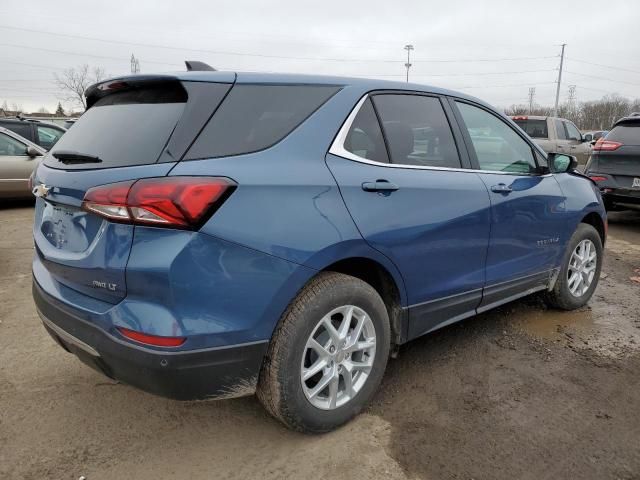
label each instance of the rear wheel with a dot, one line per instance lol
(328, 354)
(580, 270)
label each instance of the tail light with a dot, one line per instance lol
(155, 340)
(176, 202)
(598, 178)
(603, 145)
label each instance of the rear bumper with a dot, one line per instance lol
(621, 195)
(221, 372)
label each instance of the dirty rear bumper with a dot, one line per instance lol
(222, 372)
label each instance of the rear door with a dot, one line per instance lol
(15, 167)
(132, 130)
(411, 199)
(526, 206)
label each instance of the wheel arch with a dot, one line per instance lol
(383, 281)
(596, 221)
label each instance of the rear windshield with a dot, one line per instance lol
(627, 134)
(126, 128)
(255, 117)
(534, 128)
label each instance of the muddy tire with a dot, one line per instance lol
(580, 270)
(337, 327)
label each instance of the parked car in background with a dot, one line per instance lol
(18, 158)
(594, 136)
(41, 133)
(615, 164)
(555, 134)
(69, 123)
(213, 234)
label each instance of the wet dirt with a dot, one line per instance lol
(520, 392)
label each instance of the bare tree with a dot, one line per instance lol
(74, 81)
(43, 110)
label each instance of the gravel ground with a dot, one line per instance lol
(521, 392)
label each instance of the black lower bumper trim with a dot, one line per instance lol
(186, 375)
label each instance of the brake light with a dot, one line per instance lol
(598, 178)
(178, 202)
(155, 340)
(603, 145)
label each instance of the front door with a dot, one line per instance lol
(412, 201)
(527, 207)
(15, 167)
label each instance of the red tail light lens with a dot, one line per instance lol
(598, 178)
(154, 340)
(603, 145)
(179, 202)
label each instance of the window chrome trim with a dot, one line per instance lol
(337, 148)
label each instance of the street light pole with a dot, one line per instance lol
(408, 48)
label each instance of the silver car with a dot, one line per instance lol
(18, 158)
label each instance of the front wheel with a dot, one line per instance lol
(580, 270)
(328, 354)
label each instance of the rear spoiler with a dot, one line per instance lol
(99, 90)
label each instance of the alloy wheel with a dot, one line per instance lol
(582, 268)
(338, 357)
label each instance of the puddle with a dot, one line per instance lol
(609, 329)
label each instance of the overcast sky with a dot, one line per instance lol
(518, 42)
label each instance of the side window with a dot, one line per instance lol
(21, 128)
(365, 137)
(47, 136)
(417, 131)
(10, 147)
(498, 147)
(560, 131)
(572, 132)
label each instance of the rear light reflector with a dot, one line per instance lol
(155, 340)
(603, 145)
(178, 202)
(598, 178)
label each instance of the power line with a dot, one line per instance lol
(259, 55)
(456, 74)
(81, 54)
(604, 78)
(602, 65)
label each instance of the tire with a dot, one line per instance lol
(281, 388)
(561, 295)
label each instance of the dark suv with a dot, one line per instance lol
(615, 164)
(41, 133)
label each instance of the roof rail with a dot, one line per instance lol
(196, 66)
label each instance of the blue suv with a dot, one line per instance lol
(211, 234)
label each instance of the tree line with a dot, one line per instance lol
(593, 115)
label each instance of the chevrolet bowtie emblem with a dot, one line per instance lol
(41, 190)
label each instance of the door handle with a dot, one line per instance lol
(379, 186)
(501, 188)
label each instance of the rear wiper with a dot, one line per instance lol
(67, 157)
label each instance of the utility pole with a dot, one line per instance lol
(408, 48)
(135, 64)
(555, 108)
(532, 94)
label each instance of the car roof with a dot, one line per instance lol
(30, 120)
(366, 84)
(633, 118)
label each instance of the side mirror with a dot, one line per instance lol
(33, 152)
(587, 138)
(561, 163)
